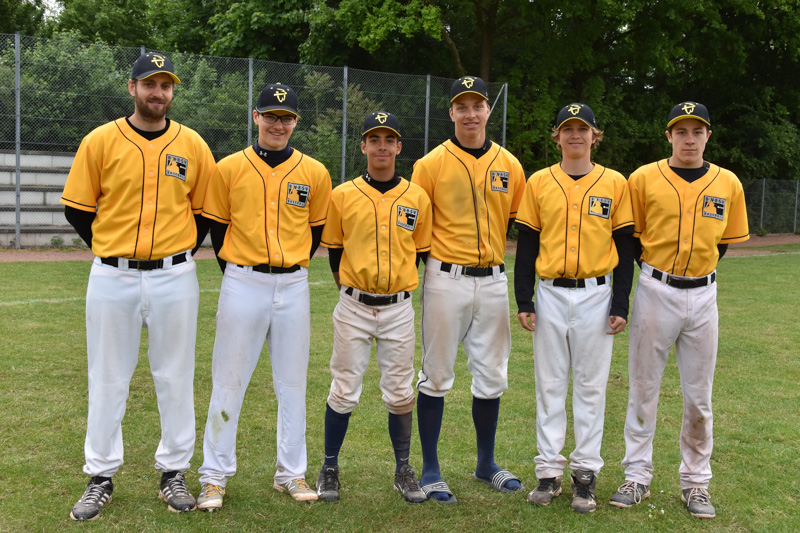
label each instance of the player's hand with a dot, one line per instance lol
(527, 321)
(617, 325)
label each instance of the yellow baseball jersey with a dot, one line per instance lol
(681, 223)
(144, 192)
(380, 234)
(576, 219)
(269, 211)
(472, 200)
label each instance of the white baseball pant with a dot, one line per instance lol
(571, 326)
(469, 310)
(252, 307)
(119, 302)
(355, 325)
(688, 318)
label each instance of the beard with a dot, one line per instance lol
(148, 113)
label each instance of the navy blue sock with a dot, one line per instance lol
(400, 433)
(484, 416)
(429, 419)
(335, 430)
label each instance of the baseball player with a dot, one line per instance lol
(377, 224)
(575, 225)
(134, 194)
(475, 187)
(686, 212)
(267, 206)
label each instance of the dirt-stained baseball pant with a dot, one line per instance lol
(355, 326)
(468, 310)
(664, 316)
(571, 326)
(119, 302)
(252, 307)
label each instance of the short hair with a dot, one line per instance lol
(598, 136)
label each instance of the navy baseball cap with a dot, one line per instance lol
(689, 110)
(582, 112)
(380, 119)
(468, 84)
(152, 63)
(277, 97)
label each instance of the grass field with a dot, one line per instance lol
(756, 461)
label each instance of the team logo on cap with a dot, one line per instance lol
(382, 117)
(499, 180)
(297, 194)
(176, 167)
(280, 94)
(688, 107)
(158, 60)
(407, 217)
(714, 207)
(467, 82)
(599, 206)
(574, 109)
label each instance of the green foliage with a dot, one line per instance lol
(57, 241)
(116, 22)
(25, 17)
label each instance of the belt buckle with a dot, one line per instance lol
(574, 284)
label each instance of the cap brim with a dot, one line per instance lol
(382, 127)
(574, 118)
(453, 99)
(146, 75)
(682, 117)
(277, 108)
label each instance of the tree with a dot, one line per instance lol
(115, 22)
(25, 17)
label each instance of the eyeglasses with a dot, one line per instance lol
(286, 120)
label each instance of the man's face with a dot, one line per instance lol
(470, 113)
(575, 139)
(274, 135)
(152, 96)
(688, 138)
(381, 146)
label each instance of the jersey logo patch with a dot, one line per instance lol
(599, 207)
(499, 181)
(407, 217)
(176, 167)
(297, 194)
(714, 207)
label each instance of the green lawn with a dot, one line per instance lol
(43, 397)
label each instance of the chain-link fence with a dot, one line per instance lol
(772, 206)
(54, 92)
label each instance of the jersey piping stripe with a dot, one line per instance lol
(141, 200)
(566, 201)
(680, 218)
(264, 197)
(158, 186)
(694, 220)
(488, 225)
(278, 222)
(474, 202)
(393, 227)
(580, 224)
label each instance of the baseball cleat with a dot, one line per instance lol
(96, 496)
(698, 501)
(210, 497)
(175, 493)
(583, 487)
(548, 489)
(328, 483)
(405, 481)
(298, 489)
(629, 494)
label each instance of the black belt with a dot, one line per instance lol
(573, 283)
(475, 272)
(134, 264)
(268, 269)
(684, 283)
(369, 299)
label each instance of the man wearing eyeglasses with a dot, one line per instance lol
(267, 205)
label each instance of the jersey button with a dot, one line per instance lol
(574, 228)
(572, 249)
(383, 279)
(273, 203)
(151, 146)
(383, 227)
(383, 199)
(575, 206)
(271, 232)
(277, 256)
(273, 173)
(150, 202)
(151, 172)
(383, 254)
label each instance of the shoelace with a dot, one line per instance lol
(546, 484)
(699, 495)
(629, 487)
(177, 485)
(407, 479)
(211, 490)
(94, 493)
(302, 485)
(329, 479)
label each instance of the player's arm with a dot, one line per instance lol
(334, 260)
(722, 248)
(218, 231)
(81, 221)
(202, 224)
(622, 280)
(525, 275)
(316, 238)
